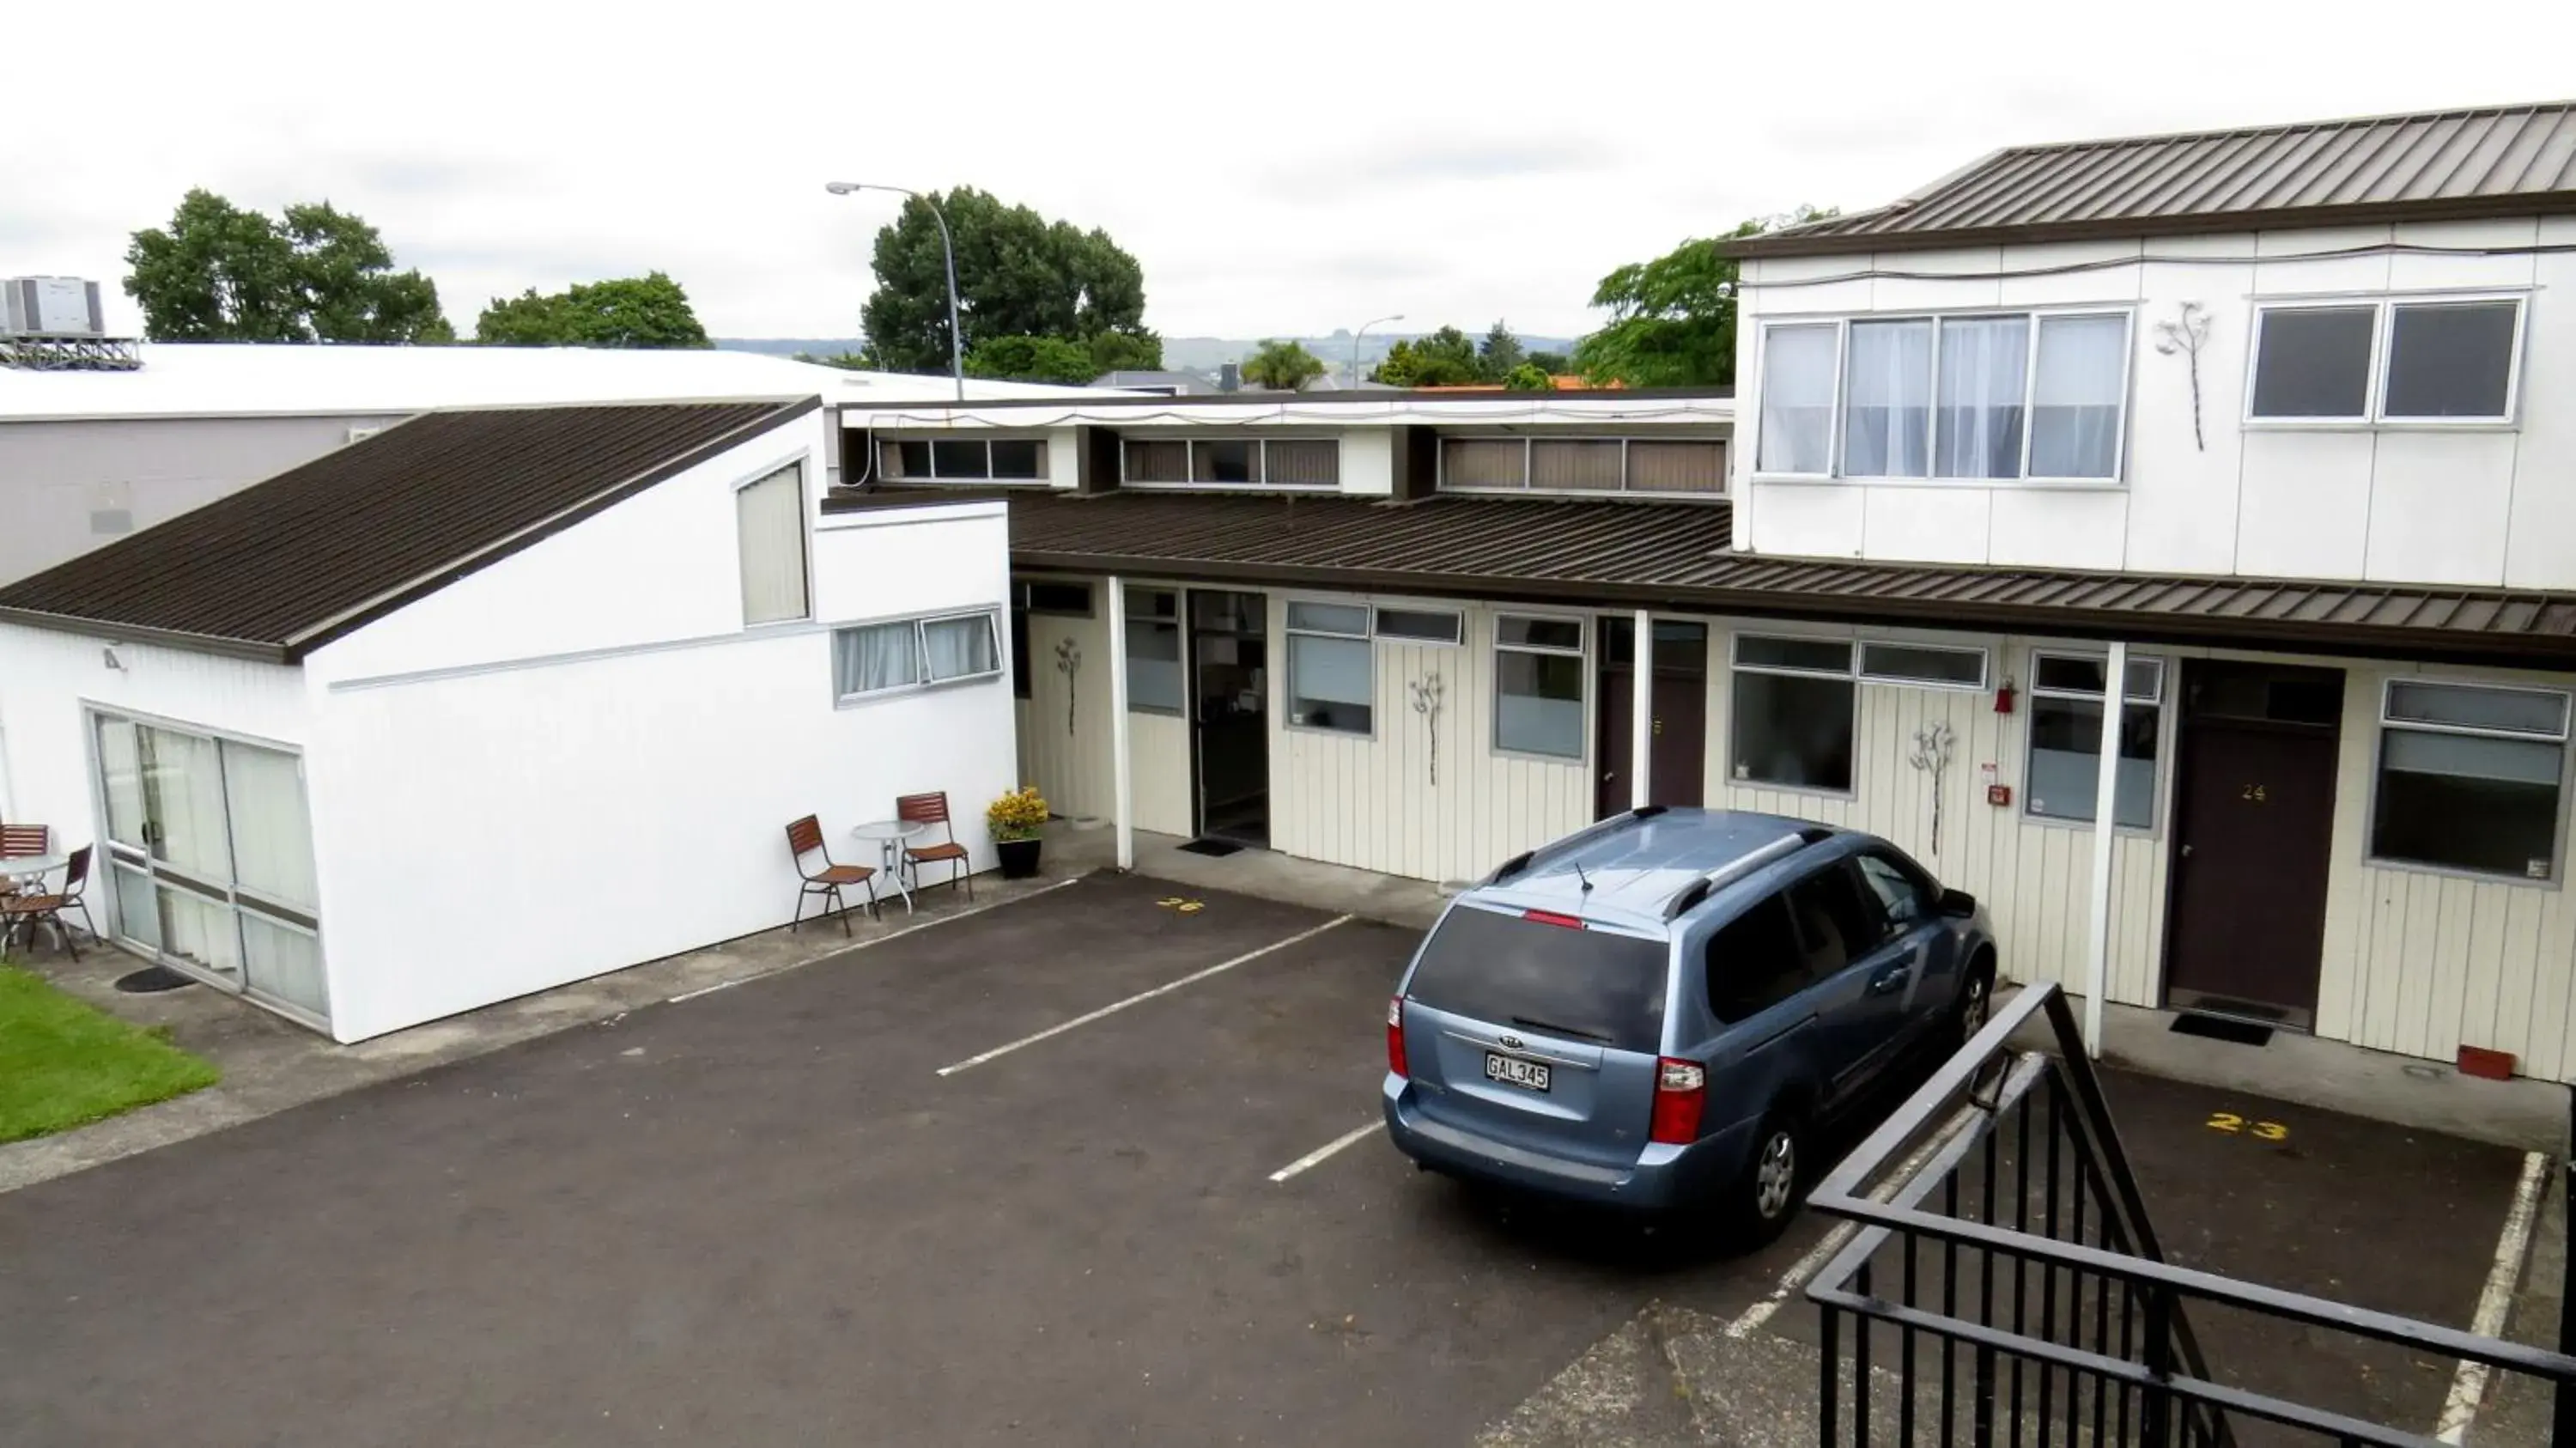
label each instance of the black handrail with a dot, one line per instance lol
(2158, 1363)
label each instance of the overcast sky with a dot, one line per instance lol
(1276, 168)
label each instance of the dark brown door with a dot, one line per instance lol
(1679, 730)
(2253, 828)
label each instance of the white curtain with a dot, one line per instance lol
(1983, 368)
(1887, 400)
(272, 836)
(876, 656)
(284, 964)
(1797, 400)
(770, 520)
(2075, 419)
(120, 767)
(183, 784)
(961, 648)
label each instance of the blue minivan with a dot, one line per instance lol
(1656, 1012)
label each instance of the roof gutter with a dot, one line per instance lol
(266, 653)
(2122, 228)
(2426, 645)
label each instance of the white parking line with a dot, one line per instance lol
(1823, 1252)
(690, 995)
(1164, 989)
(1316, 1156)
(2469, 1384)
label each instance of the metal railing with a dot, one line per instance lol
(2005, 1286)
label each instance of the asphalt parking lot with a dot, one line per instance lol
(764, 1214)
(761, 1215)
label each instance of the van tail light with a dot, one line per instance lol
(1551, 917)
(1395, 1037)
(1681, 1089)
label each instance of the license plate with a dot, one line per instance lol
(1513, 1071)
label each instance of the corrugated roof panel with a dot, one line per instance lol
(2499, 160)
(271, 564)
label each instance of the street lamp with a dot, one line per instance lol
(947, 248)
(1355, 344)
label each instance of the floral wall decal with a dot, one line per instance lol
(1426, 702)
(2186, 334)
(1068, 662)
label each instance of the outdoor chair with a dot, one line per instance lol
(932, 809)
(805, 837)
(20, 840)
(26, 912)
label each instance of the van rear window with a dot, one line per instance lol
(1502, 970)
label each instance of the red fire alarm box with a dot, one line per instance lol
(2004, 698)
(1999, 794)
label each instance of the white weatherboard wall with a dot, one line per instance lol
(1065, 751)
(578, 759)
(49, 681)
(2392, 503)
(1370, 802)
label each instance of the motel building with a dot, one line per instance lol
(2252, 452)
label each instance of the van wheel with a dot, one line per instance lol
(1976, 1002)
(1766, 1197)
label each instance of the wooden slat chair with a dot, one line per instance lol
(805, 837)
(20, 840)
(26, 912)
(932, 809)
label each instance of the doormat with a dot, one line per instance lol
(2220, 1028)
(150, 979)
(1208, 845)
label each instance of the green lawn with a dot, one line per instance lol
(64, 1063)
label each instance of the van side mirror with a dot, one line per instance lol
(1958, 904)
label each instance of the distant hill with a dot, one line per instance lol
(790, 346)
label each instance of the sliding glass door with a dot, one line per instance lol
(210, 860)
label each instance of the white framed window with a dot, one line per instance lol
(1332, 670)
(1931, 666)
(1231, 462)
(2470, 778)
(2388, 360)
(1420, 625)
(1529, 464)
(1154, 683)
(2065, 769)
(896, 655)
(1064, 600)
(769, 533)
(1985, 395)
(1793, 709)
(1538, 685)
(962, 459)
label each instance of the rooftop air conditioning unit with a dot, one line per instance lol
(50, 307)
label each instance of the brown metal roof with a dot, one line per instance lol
(2436, 165)
(1679, 555)
(286, 565)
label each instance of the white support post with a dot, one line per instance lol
(1641, 727)
(1122, 783)
(2106, 796)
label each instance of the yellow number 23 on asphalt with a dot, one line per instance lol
(2234, 1124)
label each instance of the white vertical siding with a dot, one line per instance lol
(1064, 735)
(2423, 963)
(1371, 802)
(1158, 772)
(2034, 877)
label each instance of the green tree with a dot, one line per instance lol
(1018, 275)
(646, 311)
(1672, 319)
(220, 272)
(1553, 364)
(1137, 351)
(1528, 377)
(1283, 366)
(1446, 358)
(1500, 353)
(1031, 359)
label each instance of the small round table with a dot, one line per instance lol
(890, 837)
(25, 875)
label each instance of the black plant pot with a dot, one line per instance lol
(1019, 858)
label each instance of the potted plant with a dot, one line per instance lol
(1014, 820)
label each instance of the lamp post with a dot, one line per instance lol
(948, 251)
(1355, 344)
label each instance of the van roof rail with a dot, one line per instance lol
(1584, 836)
(1743, 865)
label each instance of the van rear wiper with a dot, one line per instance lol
(1536, 1024)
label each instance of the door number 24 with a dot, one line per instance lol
(2256, 793)
(2233, 1124)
